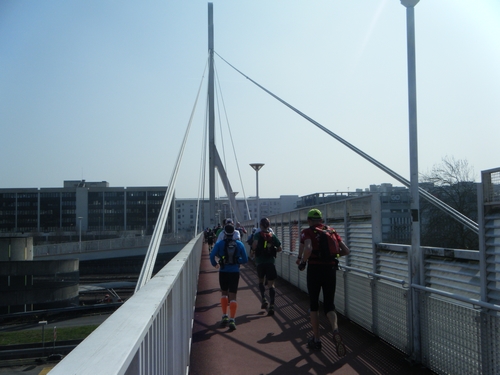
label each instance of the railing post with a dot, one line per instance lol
(376, 221)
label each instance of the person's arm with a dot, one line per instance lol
(344, 250)
(307, 250)
(254, 244)
(244, 256)
(277, 243)
(212, 256)
(301, 253)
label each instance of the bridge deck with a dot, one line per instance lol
(277, 345)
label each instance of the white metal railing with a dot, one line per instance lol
(459, 314)
(103, 245)
(139, 337)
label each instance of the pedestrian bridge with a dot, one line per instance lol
(449, 324)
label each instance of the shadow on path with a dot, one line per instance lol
(277, 345)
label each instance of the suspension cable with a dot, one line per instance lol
(154, 245)
(232, 142)
(471, 224)
(201, 185)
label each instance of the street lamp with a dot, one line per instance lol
(80, 240)
(415, 261)
(257, 167)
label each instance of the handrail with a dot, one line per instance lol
(374, 275)
(147, 335)
(457, 297)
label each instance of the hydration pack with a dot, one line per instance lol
(230, 252)
(265, 245)
(329, 248)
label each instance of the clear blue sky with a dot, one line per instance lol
(103, 90)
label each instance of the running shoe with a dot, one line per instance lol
(264, 304)
(224, 321)
(339, 345)
(232, 325)
(313, 344)
(270, 312)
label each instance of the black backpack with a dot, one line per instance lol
(230, 252)
(265, 245)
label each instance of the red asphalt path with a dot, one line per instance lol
(277, 345)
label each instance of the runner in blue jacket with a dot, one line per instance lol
(228, 255)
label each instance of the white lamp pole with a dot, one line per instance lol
(415, 260)
(257, 167)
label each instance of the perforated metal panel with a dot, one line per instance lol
(390, 312)
(340, 293)
(450, 337)
(490, 344)
(359, 300)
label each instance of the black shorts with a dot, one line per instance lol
(267, 270)
(321, 277)
(228, 281)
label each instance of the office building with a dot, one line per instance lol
(91, 209)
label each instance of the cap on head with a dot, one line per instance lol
(228, 229)
(264, 222)
(229, 221)
(314, 214)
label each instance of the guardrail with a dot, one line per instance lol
(151, 333)
(102, 245)
(459, 310)
(459, 315)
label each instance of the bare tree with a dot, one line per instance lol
(452, 181)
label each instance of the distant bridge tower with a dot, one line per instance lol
(214, 160)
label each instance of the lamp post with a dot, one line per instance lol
(415, 260)
(224, 206)
(80, 239)
(257, 167)
(43, 323)
(218, 216)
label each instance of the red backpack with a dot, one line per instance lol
(329, 248)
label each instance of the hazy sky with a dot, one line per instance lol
(103, 91)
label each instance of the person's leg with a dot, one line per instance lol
(271, 278)
(233, 305)
(261, 274)
(313, 288)
(329, 286)
(224, 301)
(332, 318)
(272, 291)
(314, 315)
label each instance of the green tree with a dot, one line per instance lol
(452, 182)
